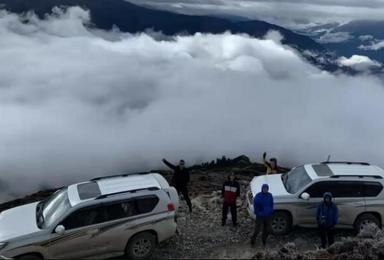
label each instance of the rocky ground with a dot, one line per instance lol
(202, 236)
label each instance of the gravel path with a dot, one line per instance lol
(202, 236)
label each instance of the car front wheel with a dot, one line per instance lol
(281, 223)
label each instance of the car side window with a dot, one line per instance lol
(348, 189)
(131, 207)
(339, 189)
(317, 189)
(372, 189)
(147, 204)
(121, 210)
(110, 212)
(84, 217)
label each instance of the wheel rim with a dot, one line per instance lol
(142, 248)
(279, 224)
(365, 223)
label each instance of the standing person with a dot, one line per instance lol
(180, 180)
(230, 192)
(327, 218)
(271, 165)
(263, 209)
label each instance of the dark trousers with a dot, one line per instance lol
(233, 208)
(184, 192)
(326, 235)
(263, 223)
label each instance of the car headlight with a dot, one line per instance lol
(2, 245)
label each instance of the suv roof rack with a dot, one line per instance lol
(345, 162)
(123, 192)
(357, 176)
(118, 175)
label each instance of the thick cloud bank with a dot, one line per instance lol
(76, 103)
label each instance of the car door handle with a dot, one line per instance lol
(93, 231)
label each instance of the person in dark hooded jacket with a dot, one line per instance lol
(263, 209)
(327, 218)
(180, 180)
(230, 192)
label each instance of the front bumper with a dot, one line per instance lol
(250, 205)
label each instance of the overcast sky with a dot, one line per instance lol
(288, 13)
(74, 105)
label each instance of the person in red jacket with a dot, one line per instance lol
(230, 192)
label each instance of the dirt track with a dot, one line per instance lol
(202, 236)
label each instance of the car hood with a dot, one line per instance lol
(276, 186)
(18, 221)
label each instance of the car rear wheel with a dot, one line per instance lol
(281, 223)
(141, 246)
(366, 220)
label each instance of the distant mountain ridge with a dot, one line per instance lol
(128, 17)
(132, 18)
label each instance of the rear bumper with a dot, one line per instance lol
(166, 230)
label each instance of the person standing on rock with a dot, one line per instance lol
(180, 180)
(271, 165)
(263, 209)
(327, 218)
(230, 192)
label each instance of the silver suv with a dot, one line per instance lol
(105, 217)
(357, 189)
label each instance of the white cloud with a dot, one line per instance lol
(335, 37)
(358, 62)
(364, 38)
(74, 105)
(274, 36)
(373, 45)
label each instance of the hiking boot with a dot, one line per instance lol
(253, 241)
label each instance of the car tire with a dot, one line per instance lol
(29, 257)
(281, 223)
(364, 220)
(141, 246)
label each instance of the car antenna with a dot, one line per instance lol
(328, 158)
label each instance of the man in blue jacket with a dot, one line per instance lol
(327, 218)
(263, 209)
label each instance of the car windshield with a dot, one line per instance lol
(56, 205)
(296, 179)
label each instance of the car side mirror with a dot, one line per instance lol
(305, 196)
(60, 230)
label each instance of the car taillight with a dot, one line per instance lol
(171, 207)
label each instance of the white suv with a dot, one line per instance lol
(105, 217)
(357, 189)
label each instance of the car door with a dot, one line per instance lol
(306, 209)
(80, 239)
(349, 199)
(373, 191)
(348, 196)
(124, 217)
